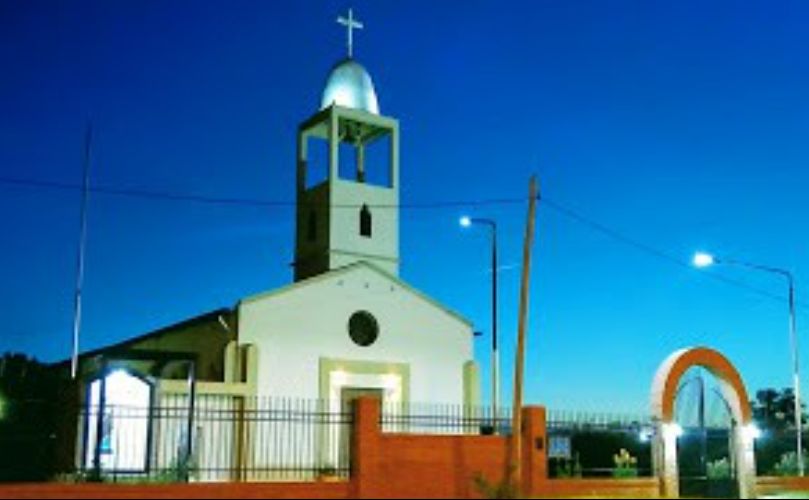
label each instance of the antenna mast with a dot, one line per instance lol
(74, 360)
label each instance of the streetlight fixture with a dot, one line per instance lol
(703, 260)
(752, 432)
(466, 222)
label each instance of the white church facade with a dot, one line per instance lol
(348, 325)
(368, 330)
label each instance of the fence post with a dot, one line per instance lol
(365, 452)
(534, 470)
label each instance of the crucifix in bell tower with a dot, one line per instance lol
(353, 131)
(351, 24)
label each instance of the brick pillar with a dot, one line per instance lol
(365, 449)
(534, 450)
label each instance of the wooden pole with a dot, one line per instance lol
(515, 466)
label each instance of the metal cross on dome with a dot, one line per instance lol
(351, 24)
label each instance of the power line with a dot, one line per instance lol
(165, 195)
(545, 201)
(652, 251)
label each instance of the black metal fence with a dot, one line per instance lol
(582, 444)
(444, 419)
(230, 439)
(234, 438)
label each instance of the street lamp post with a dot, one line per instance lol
(706, 260)
(492, 225)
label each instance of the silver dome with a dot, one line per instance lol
(349, 85)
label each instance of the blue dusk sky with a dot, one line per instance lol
(680, 125)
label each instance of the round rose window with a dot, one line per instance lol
(363, 328)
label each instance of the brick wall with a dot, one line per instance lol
(407, 466)
(192, 491)
(776, 485)
(612, 488)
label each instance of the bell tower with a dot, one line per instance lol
(353, 214)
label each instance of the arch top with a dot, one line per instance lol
(667, 379)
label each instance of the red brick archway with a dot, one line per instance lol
(664, 393)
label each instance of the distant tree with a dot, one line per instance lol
(29, 416)
(23, 378)
(774, 413)
(775, 410)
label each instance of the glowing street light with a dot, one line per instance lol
(645, 435)
(752, 432)
(703, 260)
(467, 222)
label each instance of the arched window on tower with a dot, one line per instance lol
(365, 222)
(311, 229)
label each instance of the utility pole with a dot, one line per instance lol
(515, 463)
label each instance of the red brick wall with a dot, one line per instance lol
(437, 487)
(775, 485)
(193, 491)
(408, 466)
(612, 488)
(439, 466)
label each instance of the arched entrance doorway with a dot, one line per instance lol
(664, 392)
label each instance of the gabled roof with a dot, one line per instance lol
(209, 317)
(347, 269)
(213, 316)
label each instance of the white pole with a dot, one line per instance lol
(793, 333)
(74, 364)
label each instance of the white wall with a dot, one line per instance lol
(383, 245)
(293, 329)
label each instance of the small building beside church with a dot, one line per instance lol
(348, 325)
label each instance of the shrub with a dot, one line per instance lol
(788, 464)
(625, 464)
(505, 488)
(719, 469)
(569, 468)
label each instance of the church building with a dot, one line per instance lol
(348, 324)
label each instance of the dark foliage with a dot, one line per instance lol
(775, 410)
(595, 450)
(774, 413)
(31, 420)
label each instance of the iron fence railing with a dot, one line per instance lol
(231, 439)
(444, 419)
(588, 444)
